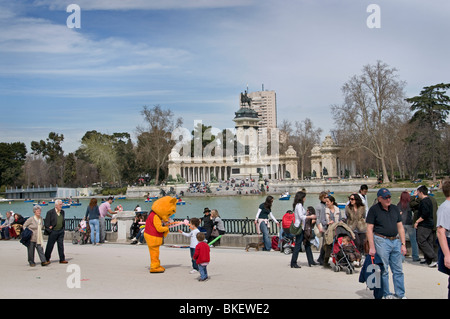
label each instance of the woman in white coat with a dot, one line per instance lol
(36, 225)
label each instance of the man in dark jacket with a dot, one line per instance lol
(54, 224)
(425, 226)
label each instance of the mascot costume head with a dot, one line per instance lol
(155, 230)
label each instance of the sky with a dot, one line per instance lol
(195, 57)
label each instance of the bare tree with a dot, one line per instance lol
(154, 140)
(305, 136)
(373, 101)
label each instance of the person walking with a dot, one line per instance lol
(443, 233)
(262, 221)
(407, 220)
(93, 215)
(300, 220)
(36, 225)
(386, 237)
(424, 226)
(54, 226)
(321, 224)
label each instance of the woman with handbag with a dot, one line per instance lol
(36, 224)
(296, 229)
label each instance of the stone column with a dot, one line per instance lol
(124, 221)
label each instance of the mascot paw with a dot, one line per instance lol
(157, 270)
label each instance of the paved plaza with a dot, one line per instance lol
(122, 271)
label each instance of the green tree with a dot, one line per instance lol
(431, 108)
(12, 158)
(99, 149)
(53, 154)
(51, 148)
(70, 170)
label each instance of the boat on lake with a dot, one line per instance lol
(285, 196)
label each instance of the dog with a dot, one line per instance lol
(254, 245)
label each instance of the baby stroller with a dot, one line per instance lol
(344, 255)
(287, 243)
(82, 234)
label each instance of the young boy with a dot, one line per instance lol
(194, 223)
(201, 256)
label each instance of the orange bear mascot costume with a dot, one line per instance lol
(155, 230)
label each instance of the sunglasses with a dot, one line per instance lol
(386, 197)
(351, 198)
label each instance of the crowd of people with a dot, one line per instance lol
(377, 230)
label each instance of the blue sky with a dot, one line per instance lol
(196, 56)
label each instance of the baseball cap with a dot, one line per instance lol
(384, 193)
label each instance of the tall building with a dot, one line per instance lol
(265, 104)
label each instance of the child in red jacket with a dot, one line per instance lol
(201, 256)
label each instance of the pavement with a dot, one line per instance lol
(121, 271)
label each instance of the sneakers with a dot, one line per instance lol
(193, 271)
(433, 264)
(394, 297)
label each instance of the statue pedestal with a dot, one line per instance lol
(124, 221)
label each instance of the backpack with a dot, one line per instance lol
(275, 243)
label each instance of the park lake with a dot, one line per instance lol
(227, 206)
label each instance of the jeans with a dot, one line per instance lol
(413, 240)
(102, 223)
(266, 238)
(94, 224)
(194, 264)
(390, 253)
(203, 272)
(5, 233)
(298, 245)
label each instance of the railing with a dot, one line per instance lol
(238, 226)
(72, 223)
